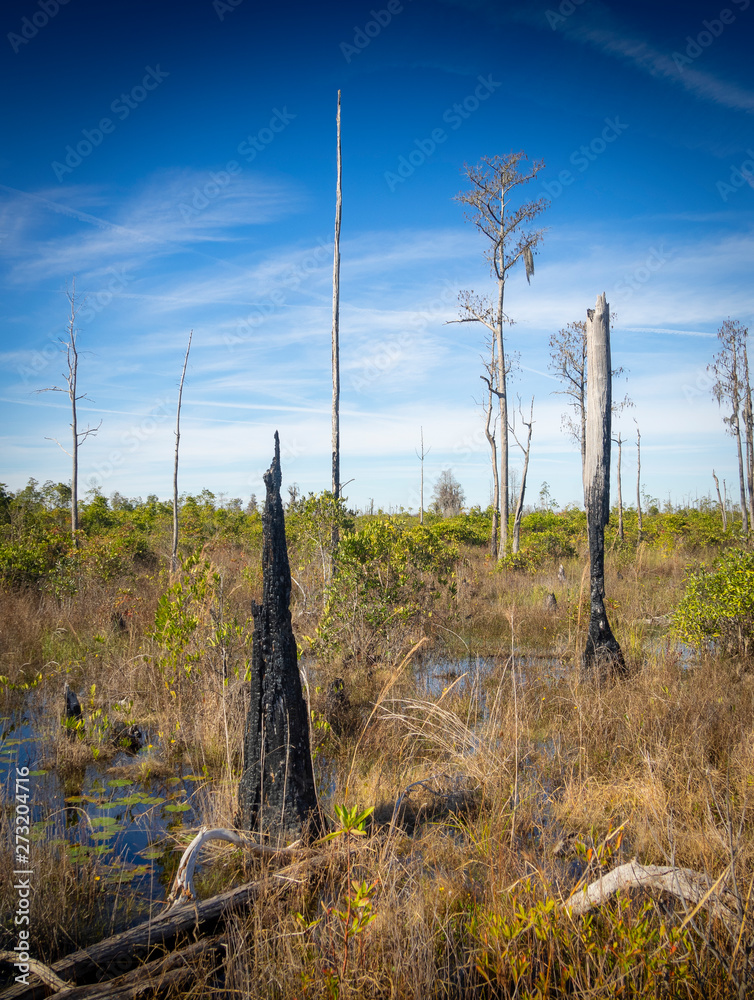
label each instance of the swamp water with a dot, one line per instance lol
(105, 812)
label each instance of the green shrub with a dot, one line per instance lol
(389, 577)
(718, 605)
(27, 561)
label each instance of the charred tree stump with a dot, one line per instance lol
(602, 656)
(276, 795)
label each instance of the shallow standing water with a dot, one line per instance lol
(126, 823)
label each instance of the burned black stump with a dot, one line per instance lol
(602, 655)
(276, 795)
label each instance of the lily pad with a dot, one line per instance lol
(131, 800)
(178, 807)
(120, 783)
(102, 834)
(104, 821)
(36, 774)
(152, 853)
(79, 852)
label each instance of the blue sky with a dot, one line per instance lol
(178, 159)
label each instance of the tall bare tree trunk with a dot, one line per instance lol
(174, 553)
(748, 416)
(502, 394)
(336, 332)
(421, 455)
(720, 501)
(73, 367)
(619, 442)
(71, 387)
(736, 425)
(520, 504)
(638, 484)
(495, 474)
(602, 655)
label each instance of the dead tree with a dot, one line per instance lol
(336, 336)
(568, 361)
(489, 433)
(730, 388)
(602, 655)
(494, 184)
(71, 390)
(421, 456)
(720, 501)
(174, 555)
(276, 795)
(748, 419)
(526, 450)
(639, 522)
(619, 442)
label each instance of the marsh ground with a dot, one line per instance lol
(500, 778)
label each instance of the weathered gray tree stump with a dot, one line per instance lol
(602, 656)
(276, 795)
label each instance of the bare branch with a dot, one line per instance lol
(59, 446)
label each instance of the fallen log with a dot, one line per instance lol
(37, 968)
(157, 976)
(691, 887)
(135, 944)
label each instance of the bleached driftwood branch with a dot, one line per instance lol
(42, 971)
(183, 887)
(691, 887)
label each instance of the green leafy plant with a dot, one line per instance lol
(718, 605)
(390, 578)
(191, 624)
(343, 927)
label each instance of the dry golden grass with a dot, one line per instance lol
(488, 795)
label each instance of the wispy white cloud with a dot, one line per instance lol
(598, 25)
(156, 220)
(662, 65)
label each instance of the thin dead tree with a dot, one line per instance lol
(490, 424)
(720, 501)
(526, 450)
(336, 335)
(507, 228)
(730, 388)
(748, 419)
(71, 390)
(174, 553)
(568, 362)
(639, 522)
(619, 441)
(489, 433)
(421, 455)
(602, 657)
